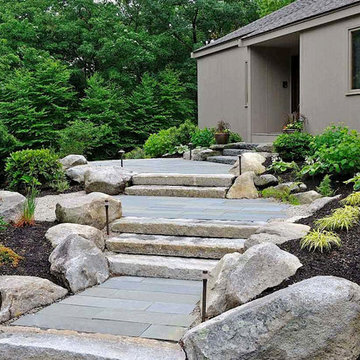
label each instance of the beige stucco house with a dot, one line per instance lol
(304, 56)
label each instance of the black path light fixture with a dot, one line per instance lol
(239, 164)
(205, 277)
(191, 146)
(122, 152)
(107, 216)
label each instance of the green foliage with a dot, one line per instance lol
(203, 137)
(40, 165)
(8, 142)
(235, 137)
(355, 180)
(283, 195)
(35, 97)
(320, 240)
(3, 224)
(336, 151)
(168, 141)
(28, 215)
(340, 219)
(352, 200)
(294, 146)
(268, 6)
(137, 153)
(83, 138)
(325, 188)
(279, 166)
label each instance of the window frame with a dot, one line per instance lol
(351, 90)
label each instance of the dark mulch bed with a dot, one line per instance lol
(342, 262)
(30, 243)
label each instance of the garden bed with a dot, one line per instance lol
(31, 244)
(341, 261)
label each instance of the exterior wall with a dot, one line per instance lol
(324, 76)
(221, 90)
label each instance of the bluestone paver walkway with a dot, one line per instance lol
(202, 209)
(178, 166)
(128, 306)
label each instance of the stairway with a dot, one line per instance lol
(173, 248)
(181, 185)
(230, 152)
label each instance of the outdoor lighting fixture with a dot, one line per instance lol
(239, 164)
(122, 152)
(191, 146)
(204, 294)
(107, 216)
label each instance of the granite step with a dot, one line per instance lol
(158, 266)
(193, 247)
(235, 152)
(177, 191)
(201, 180)
(229, 160)
(186, 227)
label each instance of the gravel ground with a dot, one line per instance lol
(45, 206)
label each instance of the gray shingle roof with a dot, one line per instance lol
(295, 12)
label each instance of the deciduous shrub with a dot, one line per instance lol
(336, 151)
(161, 143)
(137, 153)
(203, 137)
(41, 165)
(296, 146)
(83, 138)
(235, 137)
(279, 166)
(355, 180)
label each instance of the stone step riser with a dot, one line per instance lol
(174, 246)
(229, 160)
(159, 267)
(184, 180)
(177, 191)
(189, 228)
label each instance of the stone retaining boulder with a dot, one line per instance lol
(244, 187)
(59, 233)
(277, 233)
(264, 181)
(79, 263)
(108, 180)
(267, 148)
(250, 162)
(308, 197)
(88, 210)
(20, 294)
(293, 186)
(200, 154)
(73, 160)
(77, 173)
(11, 206)
(318, 318)
(237, 279)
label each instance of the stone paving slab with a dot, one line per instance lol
(202, 209)
(127, 306)
(179, 166)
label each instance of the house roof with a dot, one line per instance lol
(297, 11)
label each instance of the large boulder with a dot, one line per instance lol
(308, 197)
(20, 294)
(318, 318)
(264, 181)
(11, 206)
(79, 263)
(77, 173)
(73, 160)
(238, 279)
(58, 233)
(250, 161)
(88, 210)
(277, 233)
(200, 154)
(108, 180)
(243, 187)
(294, 187)
(266, 147)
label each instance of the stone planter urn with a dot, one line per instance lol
(222, 138)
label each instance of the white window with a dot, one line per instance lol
(355, 59)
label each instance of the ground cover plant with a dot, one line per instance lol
(283, 195)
